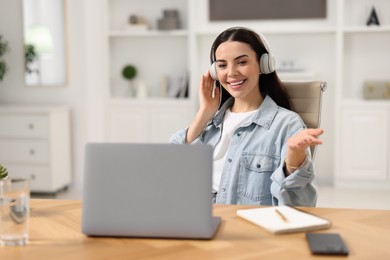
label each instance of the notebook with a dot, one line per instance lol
(283, 219)
(148, 190)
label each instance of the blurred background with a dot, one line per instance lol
(128, 71)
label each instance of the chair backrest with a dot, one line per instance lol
(305, 99)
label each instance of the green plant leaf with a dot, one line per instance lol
(3, 49)
(129, 72)
(3, 46)
(30, 54)
(3, 69)
(3, 172)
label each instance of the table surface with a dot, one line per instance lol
(55, 234)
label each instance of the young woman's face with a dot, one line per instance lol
(238, 69)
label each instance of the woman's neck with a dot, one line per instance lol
(241, 105)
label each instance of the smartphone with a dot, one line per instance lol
(326, 244)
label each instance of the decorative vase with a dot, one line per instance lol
(142, 90)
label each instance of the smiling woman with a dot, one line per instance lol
(261, 148)
(45, 42)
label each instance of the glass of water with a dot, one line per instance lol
(14, 211)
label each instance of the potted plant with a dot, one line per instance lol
(129, 72)
(3, 49)
(30, 55)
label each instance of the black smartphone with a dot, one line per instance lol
(326, 244)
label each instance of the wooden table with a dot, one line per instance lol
(55, 234)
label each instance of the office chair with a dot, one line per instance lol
(305, 99)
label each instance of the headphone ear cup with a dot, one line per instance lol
(267, 63)
(213, 71)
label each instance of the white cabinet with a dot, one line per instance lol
(365, 146)
(35, 144)
(362, 149)
(146, 121)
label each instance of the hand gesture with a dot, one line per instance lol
(297, 145)
(208, 104)
(207, 107)
(304, 139)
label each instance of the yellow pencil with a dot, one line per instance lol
(283, 217)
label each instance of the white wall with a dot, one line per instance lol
(74, 94)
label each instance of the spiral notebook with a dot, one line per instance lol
(283, 219)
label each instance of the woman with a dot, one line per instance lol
(261, 148)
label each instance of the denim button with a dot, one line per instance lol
(229, 160)
(224, 189)
(238, 134)
(258, 165)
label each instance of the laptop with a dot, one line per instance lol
(148, 190)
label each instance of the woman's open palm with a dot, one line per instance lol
(304, 139)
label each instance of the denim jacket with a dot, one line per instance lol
(253, 172)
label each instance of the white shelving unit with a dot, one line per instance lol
(162, 60)
(155, 53)
(362, 135)
(339, 49)
(149, 33)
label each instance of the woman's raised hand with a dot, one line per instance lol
(208, 104)
(304, 139)
(297, 145)
(207, 108)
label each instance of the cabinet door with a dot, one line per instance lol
(24, 125)
(364, 144)
(25, 151)
(166, 121)
(128, 125)
(40, 176)
(146, 123)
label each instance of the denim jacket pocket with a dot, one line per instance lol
(254, 182)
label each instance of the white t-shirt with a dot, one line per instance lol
(230, 123)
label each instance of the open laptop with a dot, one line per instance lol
(148, 190)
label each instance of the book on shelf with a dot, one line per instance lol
(177, 87)
(183, 92)
(283, 219)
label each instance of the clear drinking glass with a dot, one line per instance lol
(14, 211)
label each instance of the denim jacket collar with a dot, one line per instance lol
(264, 116)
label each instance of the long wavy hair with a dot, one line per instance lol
(269, 84)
